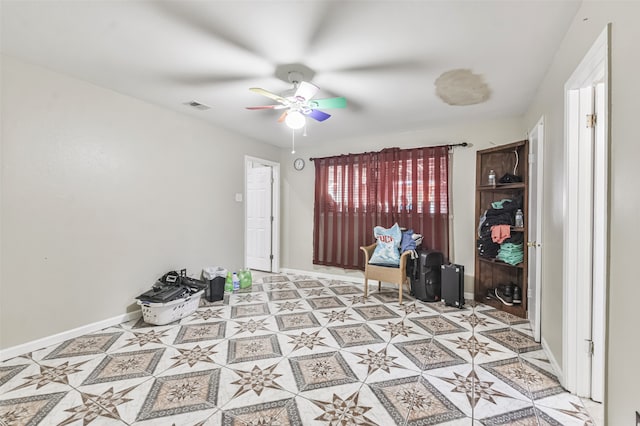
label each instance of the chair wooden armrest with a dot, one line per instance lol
(368, 252)
(403, 259)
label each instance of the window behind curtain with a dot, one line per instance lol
(356, 192)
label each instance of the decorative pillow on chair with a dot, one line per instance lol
(386, 252)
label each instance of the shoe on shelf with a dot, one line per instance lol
(517, 295)
(491, 294)
(505, 295)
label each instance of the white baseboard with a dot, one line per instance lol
(468, 296)
(553, 361)
(66, 335)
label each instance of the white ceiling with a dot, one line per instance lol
(383, 56)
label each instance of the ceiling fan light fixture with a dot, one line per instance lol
(295, 120)
(298, 102)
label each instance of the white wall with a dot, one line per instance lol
(298, 195)
(103, 193)
(622, 397)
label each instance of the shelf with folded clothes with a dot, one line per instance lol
(500, 262)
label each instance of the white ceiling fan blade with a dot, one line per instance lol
(306, 91)
(267, 107)
(269, 95)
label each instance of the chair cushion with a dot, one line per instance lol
(387, 251)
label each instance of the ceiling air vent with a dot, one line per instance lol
(197, 105)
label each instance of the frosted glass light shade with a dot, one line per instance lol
(295, 120)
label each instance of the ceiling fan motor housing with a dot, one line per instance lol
(295, 77)
(290, 72)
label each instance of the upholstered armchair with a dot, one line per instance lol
(390, 274)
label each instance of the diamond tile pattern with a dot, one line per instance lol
(296, 350)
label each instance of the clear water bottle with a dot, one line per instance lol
(236, 282)
(519, 219)
(492, 178)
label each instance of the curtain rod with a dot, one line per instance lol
(463, 144)
(458, 144)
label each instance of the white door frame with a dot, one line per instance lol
(275, 200)
(537, 158)
(585, 229)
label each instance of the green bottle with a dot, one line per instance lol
(228, 284)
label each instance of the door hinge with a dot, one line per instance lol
(592, 119)
(589, 347)
(270, 257)
(271, 218)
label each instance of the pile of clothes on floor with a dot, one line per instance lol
(172, 286)
(495, 240)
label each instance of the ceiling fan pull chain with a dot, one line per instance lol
(293, 141)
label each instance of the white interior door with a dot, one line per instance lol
(600, 231)
(579, 241)
(584, 228)
(259, 213)
(536, 138)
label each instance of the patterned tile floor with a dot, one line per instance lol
(296, 350)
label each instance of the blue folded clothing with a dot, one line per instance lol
(407, 242)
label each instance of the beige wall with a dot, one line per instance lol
(298, 196)
(623, 368)
(101, 194)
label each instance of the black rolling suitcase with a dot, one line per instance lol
(453, 285)
(425, 276)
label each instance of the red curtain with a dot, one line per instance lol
(356, 192)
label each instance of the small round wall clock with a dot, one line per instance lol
(298, 164)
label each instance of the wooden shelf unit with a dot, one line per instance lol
(490, 273)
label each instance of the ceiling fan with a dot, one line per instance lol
(298, 102)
